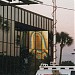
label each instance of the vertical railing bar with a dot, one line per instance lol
(27, 32)
(46, 23)
(51, 40)
(38, 22)
(41, 39)
(3, 43)
(27, 35)
(35, 43)
(20, 51)
(17, 34)
(11, 31)
(21, 15)
(14, 38)
(27, 18)
(33, 19)
(27, 40)
(10, 38)
(48, 43)
(7, 40)
(20, 39)
(24, 16)
(18, 14)
(30, 19)
(16, 52)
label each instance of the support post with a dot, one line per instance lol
(54, 31)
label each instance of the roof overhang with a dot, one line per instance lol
(20, 2)
(25, 27)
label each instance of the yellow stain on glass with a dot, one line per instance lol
(39, 43)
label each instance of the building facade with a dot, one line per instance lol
(22, 33)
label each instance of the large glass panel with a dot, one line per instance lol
(25, 17)
(5, 11)
(44, 23)
(28, 18)
(9, 12)
(16, 14)
(39, 22)
(22, 16)
(50, 25)
(31, 20)
(19, 15)
(34, 20)
(13, 13)
(1, 10)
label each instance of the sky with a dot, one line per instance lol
(65, 21)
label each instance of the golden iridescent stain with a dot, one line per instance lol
(39, 44)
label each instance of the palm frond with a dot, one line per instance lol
(65, 39)
(69, 41)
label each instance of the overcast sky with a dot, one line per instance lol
(65, 20)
